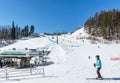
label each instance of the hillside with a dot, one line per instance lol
(104, 24)
(71, 63)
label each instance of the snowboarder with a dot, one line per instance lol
(98, 65)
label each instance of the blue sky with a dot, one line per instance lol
(52, 15)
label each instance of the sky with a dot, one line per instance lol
(52, 15)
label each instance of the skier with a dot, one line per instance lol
(89, 57)
(98, 65)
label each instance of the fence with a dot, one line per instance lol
(7, 73)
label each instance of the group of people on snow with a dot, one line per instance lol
(5, 63)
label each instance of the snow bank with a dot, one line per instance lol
(58, 54)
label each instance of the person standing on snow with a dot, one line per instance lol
(98, 65)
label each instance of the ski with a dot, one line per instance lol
(94, 78)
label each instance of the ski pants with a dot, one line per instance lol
(98, 72)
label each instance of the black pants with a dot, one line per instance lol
(98, 73)
(1, 65)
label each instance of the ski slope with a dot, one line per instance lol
(29, 43)
(71, 63)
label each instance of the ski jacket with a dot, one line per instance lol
(98, 64)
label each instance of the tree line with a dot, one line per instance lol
(104, 24)
(15, 32)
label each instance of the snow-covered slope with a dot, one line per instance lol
(30, 44)
(58, 54)
(80, 33)
(71, 63)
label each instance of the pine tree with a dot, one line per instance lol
(26, 30)
(31, 29)
(13, 35)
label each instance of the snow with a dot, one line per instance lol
(58, 54)
(30, 44)
(70, 60)
(80, 33)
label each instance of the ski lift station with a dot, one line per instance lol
(21, 58)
